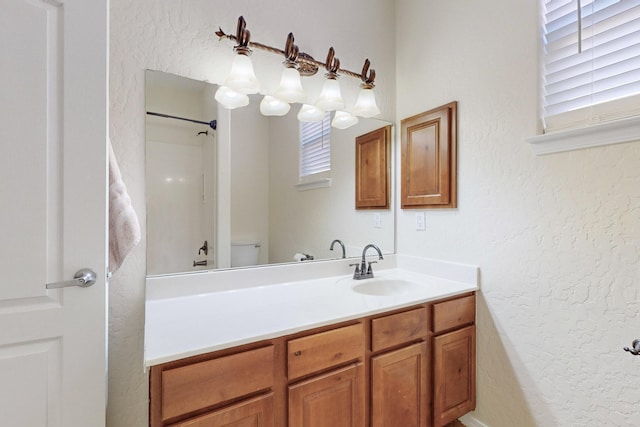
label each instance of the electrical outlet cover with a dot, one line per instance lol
(420, 221)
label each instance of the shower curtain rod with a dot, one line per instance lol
(213, 124)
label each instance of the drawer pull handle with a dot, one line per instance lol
(297, 353)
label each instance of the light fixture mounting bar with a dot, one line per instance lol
(308, 65)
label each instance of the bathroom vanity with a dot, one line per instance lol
(399, 351)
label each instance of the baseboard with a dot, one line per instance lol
(470, 421)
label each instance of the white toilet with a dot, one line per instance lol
(244, 254)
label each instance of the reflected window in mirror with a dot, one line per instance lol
(315, 150)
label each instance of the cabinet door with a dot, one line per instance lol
(335, 399)
(454, 375)
(399, 388)
(256, 412)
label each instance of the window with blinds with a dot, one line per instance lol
(591, 61)
(315, 148)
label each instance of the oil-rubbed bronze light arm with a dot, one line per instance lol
(243, 36)
(367, 76)
(291, 50)
(332, 64)
(306, 64)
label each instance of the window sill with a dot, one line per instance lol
(613, 132)
(312, 185)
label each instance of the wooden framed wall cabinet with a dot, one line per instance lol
(429, 158)
(373, 151)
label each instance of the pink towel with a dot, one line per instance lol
(124, 228)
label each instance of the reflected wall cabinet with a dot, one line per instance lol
(373, 166)
(429, 159)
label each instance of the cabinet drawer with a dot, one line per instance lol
(324, 350)
(398, 329)
(256, 412)
(454, 313)
(200, 385)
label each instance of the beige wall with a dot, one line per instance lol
(178, 37)
(557, 237)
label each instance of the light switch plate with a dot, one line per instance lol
(420, 221)
(377, 220)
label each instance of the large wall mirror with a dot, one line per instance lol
(231, 197)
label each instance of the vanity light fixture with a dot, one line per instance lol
(343, 120)
(330, 97)
(242, 81)
(272, 106)
(366, 103)
(290, 88)
(231, 99)
(242, 78)
(310, 113)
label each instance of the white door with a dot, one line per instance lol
(53, 131)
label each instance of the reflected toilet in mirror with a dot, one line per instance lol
(244, 254)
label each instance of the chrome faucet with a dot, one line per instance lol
(363, 271)
(344, 252)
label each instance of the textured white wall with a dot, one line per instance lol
(178, 37)
(557, 237)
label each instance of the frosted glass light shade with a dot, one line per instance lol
(310, 113)
(242, 78)
(366, 104)
(330, 97)
(231, 99)
(290, 89)
(343, 120)
(270, 106)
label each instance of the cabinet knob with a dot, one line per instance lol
(297, 353)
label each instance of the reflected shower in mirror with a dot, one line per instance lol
(232, 197)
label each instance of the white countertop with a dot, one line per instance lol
(190, 324)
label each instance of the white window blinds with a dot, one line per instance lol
(591, 61)
(315, 147)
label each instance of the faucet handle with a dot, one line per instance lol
(369, 268)
(357, 266)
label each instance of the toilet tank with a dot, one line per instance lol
(244, 254)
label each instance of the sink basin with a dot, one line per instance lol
(385, 287)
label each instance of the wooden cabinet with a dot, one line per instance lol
(256, 412)
(454, 313)
(413, 367)
(335, 399)
(187, 388)
(400, 376)
(324, 350)
(397, 329)
(373, 165)
(454, 359)
(399, 392)
(428, 170)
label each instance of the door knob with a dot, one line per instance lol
(635, 350)
(83, 278)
